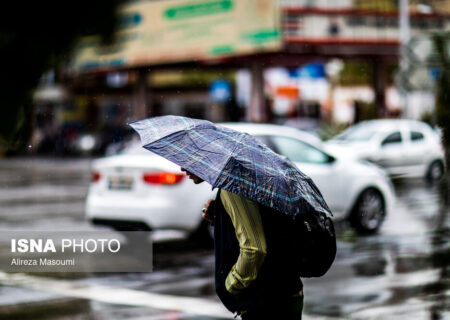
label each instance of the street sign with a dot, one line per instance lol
(416, 78)
(420, 51)
(422, 64)
(220, 91)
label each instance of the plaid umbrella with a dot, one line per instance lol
(232, 161)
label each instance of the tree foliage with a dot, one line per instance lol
(443, 87)
(441, 44)
(34, 37)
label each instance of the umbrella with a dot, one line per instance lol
(233, 161)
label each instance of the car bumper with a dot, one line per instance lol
(153, 212)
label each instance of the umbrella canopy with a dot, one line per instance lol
(233, 161)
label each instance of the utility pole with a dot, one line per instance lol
(404, 34)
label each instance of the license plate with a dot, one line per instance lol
(120, 183)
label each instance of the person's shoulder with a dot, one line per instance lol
(230, 195)
(237, 198)
(225, 195)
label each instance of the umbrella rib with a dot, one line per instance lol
(180, 150)
(230, 156)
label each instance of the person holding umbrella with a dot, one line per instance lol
(259, 195)
(239, 230)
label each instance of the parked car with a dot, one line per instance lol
(402, 147)
(138, 189)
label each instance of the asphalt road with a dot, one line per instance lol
(400, 273)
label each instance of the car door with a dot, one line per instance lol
(315, 163)
(417, 151)
(391, 152)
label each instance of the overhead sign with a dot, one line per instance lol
(155, 32)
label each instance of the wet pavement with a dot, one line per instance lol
(400, 273)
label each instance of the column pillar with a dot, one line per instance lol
(379, 85)
(140, 96)
(257, 110)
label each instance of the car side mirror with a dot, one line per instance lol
(331, 159)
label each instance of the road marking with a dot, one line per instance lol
(116, 295)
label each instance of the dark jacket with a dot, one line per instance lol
(277, 280)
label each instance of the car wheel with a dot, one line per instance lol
(435, 170)
(369, 212)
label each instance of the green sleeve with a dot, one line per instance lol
(249, 230)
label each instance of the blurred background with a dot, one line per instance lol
(356, 94)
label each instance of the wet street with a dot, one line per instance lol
(400, 273)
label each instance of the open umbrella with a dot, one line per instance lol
(233, 161)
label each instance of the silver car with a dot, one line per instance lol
(355, 191)
(402, 147)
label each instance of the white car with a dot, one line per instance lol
(402, 147)
(138, 189)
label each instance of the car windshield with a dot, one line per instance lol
(357, 134)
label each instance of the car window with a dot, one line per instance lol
(395, 137)
(298, 151)
(416, 136)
